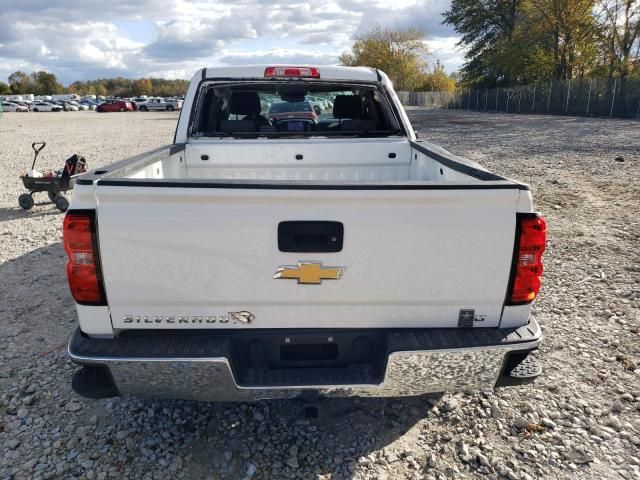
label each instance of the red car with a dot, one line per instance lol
(114, 106)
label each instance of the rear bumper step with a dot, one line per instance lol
(256, 364)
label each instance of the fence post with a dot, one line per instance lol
(497, 92)
(486, 96)
(549, 99)
(566, 104)
(477, 97)
(638, 112)
(613, 99)
(589, 97)
(469, 100)
(533, 103)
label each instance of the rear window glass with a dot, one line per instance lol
(292, 109)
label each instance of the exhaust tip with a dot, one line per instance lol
(94, 382)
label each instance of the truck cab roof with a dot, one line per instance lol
(327, 72)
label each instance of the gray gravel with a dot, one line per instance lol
(580, 420)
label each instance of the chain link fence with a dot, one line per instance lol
(427, 99)
(604, 98)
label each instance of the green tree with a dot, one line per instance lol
(45, 83)
(487, 28)
(399, 53)
(4, 89)
(20, 82)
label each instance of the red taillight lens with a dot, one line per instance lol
(527, 273)
(83, 266)
(308, 72)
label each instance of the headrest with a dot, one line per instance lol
(347, 106)
(244, 103)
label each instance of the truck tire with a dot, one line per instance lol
(62, 203)
(143, 108)
(52, 196)
(26, 201)
(170, 108)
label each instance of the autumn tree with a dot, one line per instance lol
(569, 33)
(142, 86)
(513, 42)
(399, 53)
(437, 80)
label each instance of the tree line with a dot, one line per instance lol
(517, 42)
(45, 83)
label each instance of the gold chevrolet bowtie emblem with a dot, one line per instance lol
(309, 272)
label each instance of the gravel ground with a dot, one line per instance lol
(581, 419)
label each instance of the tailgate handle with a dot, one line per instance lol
(310, 236)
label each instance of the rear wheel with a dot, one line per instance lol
(121, 109)
(26, 201)
(143, 109)
(62, 203)
(170, 108)
(52, 196)
(35, 109)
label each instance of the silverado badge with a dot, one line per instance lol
(309, 272)
(243, 316)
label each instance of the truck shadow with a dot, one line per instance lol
(272, 439)
(41, 209)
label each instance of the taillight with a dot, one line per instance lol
(526, 274)
(83, 263)
(301, 72)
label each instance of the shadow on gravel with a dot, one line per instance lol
(267, 439)
(41, 209)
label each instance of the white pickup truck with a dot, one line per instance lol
(325, 253)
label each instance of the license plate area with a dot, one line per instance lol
(309, 352)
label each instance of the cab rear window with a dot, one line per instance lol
(293, 109)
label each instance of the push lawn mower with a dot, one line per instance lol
(54, 183)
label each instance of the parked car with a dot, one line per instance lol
(68, 106)
(13, 107)
(282, 110)
(79, 105)
(46, 107)
(354, 259)
(114, 106)
(159, 104)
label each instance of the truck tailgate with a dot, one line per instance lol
(179, 257)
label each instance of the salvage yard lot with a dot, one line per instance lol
(581, 419)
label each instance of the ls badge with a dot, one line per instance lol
(309, 273)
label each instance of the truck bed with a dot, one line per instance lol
(400, 163)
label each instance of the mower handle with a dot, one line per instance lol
(37, 147)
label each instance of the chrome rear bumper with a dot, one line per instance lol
(202, 368)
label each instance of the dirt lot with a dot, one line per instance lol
(580, 420)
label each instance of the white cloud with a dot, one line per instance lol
(181, 35)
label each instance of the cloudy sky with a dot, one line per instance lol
(87, 39)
